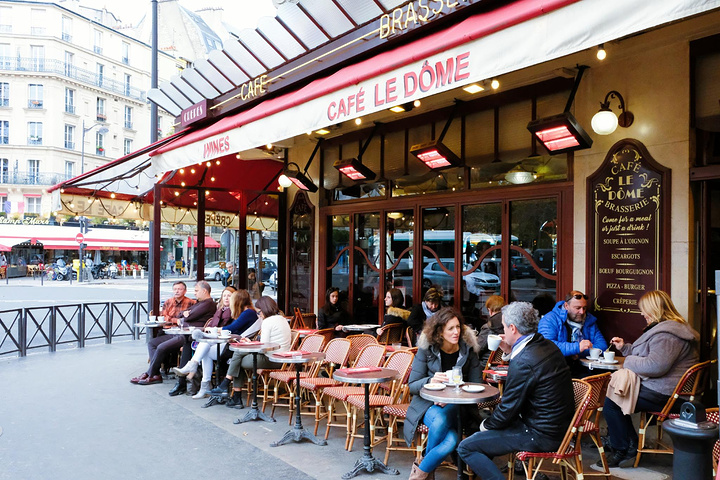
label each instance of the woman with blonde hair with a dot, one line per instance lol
(667, 347)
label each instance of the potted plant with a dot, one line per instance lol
(100, 150)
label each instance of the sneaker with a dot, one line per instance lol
(618, 458)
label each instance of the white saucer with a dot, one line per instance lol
(473, 388)
(434, 386)
(451, 384)
(609, 362)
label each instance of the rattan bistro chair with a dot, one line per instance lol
(591, 426)
(570, 446)
(693, 382)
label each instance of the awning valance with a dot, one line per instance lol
(209, 242)
(53, 237)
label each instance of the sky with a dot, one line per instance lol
(239, 13)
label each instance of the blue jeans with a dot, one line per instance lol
(443, 435)
(479, 449)
(620, 426)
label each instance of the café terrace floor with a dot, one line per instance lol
(74, 415)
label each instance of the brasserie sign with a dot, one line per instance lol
(628, 198)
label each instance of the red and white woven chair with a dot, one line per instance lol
(591, 426)
(381, 395)
(370, 356)
(357, 343)
(285, 378)
(396, 414)
(693, 382)
(569, 448)
(336, 356)
(714, 417)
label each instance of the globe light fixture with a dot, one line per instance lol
(605, 121)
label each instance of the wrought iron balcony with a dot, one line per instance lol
(58, 67)
(35, 104)
(34, 141)
(32, 178)
(69, 108)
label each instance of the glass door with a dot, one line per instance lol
(438, 252)
(366, 268)
(399, 232)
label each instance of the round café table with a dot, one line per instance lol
(367, 462)
(602, 365)
(297, 433)
(458, 396)
(255, 349)
(360, 328)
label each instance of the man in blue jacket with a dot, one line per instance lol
(573, 330)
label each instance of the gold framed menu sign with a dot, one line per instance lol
(628, 232)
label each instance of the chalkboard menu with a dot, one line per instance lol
(628, 201)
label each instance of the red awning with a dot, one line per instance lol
(209, 242)
(4, 248)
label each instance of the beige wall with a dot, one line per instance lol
(653, 78)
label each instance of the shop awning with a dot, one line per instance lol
(4, 248)
(515, 36)
(209, 242)
(52, 237)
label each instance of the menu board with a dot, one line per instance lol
(628, 202)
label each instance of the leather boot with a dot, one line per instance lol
(417, 474)
(194, 385)
(180, 387)
(204, 387)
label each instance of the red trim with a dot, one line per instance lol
(32, 195)
(477, 26)
(209, 242)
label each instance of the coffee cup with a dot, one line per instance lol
(609, 356)
(595, 353)
(493, 342)
(448, 374)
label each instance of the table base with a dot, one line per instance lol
(369, 464)
(254, 414)
(297, 435)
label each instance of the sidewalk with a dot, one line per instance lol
(74, 415)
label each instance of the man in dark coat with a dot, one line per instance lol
(537, 404)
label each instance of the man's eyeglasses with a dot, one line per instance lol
(579, 296)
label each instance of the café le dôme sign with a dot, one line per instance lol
(400, 20)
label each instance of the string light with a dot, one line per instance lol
(112, 195)
(182, 184)
(182, 170)
(208, 164)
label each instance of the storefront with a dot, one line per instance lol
(615, 214)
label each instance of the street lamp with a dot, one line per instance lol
(103, 130)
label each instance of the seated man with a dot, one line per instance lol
(172, 310)
(573, 330)
(537, 405)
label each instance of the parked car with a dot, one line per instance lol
(475, 282)
(520, 267)
(213, 271)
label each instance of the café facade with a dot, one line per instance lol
(519, 148)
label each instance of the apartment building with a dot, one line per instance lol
(72, 98)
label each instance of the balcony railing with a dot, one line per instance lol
(100, 151)
(32, 178)
(35, 104)
(101, 117)
(128, 124)
(69, 108)
(34, 141)
(37, 30)
(97, 50)
(4, 102)
(58, 67)
(126, 60)
(67, 37)
(5, 28)
(70, 145)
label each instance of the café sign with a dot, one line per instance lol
(629, 249)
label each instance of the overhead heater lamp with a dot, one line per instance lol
(354, 170)
(560, 133)
(435, 155)
(301, 181)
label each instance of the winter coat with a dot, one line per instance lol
(395, 315)
(426, 364)
(554, 327)
(662, 355)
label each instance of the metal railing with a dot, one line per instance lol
(23, 330)
(32, 178)
(59, 67)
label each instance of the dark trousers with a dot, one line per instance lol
(620, 426)
(479, 449)
(159, 347)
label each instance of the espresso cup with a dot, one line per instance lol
(493, 342)
(595, 353)
(609, 356)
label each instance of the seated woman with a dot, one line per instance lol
(274, 329)
(205, 351)
(660, 357)
(332, 314)
(432, 301)
(394, 314)
(493, 326)
(445, 343)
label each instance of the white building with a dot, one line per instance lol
(67, 81)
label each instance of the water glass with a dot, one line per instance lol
(457, 376)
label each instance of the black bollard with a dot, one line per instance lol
(693, 439)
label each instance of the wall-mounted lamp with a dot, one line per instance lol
(605, 121)
(354, 169)
(562, 133)
(601, 53)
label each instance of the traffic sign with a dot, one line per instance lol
(79, 238)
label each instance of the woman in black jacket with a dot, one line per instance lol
(394, 314)
(445, 343)
(432, 301)
(332, 314)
